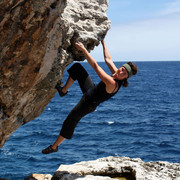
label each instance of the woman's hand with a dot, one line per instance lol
(107, 58)
(80, 46)
(108, 80)
(103, 42)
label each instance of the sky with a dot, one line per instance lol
(143, 30)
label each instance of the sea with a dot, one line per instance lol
(140, 121)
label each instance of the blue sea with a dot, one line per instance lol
(141, 121)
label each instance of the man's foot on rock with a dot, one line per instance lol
(49, 150)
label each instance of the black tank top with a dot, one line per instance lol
(97, 94)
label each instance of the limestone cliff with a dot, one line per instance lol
(36, 45)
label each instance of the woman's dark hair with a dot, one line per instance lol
(134, 71)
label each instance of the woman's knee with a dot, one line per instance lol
(77, 66)
(77, 72)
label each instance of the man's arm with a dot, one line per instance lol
(108, 59)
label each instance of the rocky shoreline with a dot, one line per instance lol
(114, 167)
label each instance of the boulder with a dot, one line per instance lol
(37, 43)
(119, 168)
(115, 167)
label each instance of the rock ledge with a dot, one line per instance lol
(117, 167)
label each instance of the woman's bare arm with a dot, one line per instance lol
(107, 79)
(108, 59)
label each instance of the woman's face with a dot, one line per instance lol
(121, 73)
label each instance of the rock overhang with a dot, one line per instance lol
(37, 43)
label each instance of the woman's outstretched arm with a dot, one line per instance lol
(108, 59)
(107, 79)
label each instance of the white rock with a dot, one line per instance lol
(119, 167)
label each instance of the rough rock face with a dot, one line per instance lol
(118, 168)
(36, 44)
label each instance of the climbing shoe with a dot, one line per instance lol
(49, 150)
(59, 88)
